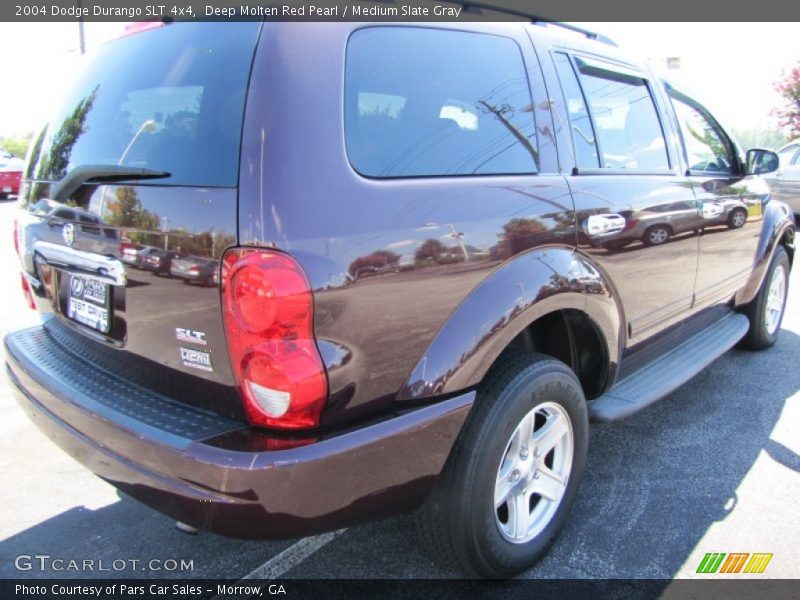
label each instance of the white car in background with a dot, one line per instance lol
(785, 182)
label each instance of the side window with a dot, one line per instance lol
(428, 102)
(625, 118)
(67, 215)
(708, 149)
(580, 123)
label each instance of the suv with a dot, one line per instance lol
(459, 377)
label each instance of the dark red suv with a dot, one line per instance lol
(420, 301)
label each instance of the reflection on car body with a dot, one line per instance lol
(194, 269)
(160, 261)
(54, 222)
(655, 225)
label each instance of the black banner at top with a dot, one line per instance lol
(398, 10)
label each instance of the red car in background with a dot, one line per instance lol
(10, 174)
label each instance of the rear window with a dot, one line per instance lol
(170, 99)
(428, 102)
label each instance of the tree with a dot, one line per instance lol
(371, 262)
(519, 234)
(54, 164)
(125, 210)
(431, 250)
(789, 115)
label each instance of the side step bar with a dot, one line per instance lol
(669, 371)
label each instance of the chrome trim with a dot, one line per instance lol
(80, 262)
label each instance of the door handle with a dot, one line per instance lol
(712, 210)
(604, 224)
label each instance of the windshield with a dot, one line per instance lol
(170, 99)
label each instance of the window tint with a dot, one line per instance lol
(170, 99)
(625, 119)
(581, 125)
(707, 147)
(424, 102)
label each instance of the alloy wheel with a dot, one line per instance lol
(533, 474)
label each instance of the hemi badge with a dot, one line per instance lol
(197, 359)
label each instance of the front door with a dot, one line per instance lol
(729, 204)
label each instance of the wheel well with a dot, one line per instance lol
(666, 226)
(788, 243)
(573, 338)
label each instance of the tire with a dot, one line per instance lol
(765, 312)
(460, 524)
(737, 218)
(656, 235)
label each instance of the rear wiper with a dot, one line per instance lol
(94, 174)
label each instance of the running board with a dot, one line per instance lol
(670, 370)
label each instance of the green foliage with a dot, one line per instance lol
(759, 138)
(125, 210)
(16, 145)
(54, 165)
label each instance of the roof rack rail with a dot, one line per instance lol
(517, 11)
(592, 35)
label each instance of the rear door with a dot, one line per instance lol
(626, 188)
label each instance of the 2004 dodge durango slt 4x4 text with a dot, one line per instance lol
(441, 251)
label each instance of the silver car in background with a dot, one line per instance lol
(785, 182)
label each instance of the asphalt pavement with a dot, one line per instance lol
(714, 467)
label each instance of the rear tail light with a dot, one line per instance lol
(630, 224)
(26, 290)
(16, 236)
(268, 311)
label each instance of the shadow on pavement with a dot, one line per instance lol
(129, 531)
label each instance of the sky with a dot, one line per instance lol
(730, 67)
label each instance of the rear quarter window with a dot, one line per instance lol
(429, 102)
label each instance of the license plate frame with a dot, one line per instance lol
(89, 303)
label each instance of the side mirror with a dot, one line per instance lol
(760, 161)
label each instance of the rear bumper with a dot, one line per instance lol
(203, 470)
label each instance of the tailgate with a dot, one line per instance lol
(143, 152)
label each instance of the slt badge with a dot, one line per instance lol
(190, 335)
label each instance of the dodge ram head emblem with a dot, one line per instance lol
(68, 233)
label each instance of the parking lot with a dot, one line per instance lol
(715, 467)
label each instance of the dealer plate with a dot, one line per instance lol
(88, 303)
